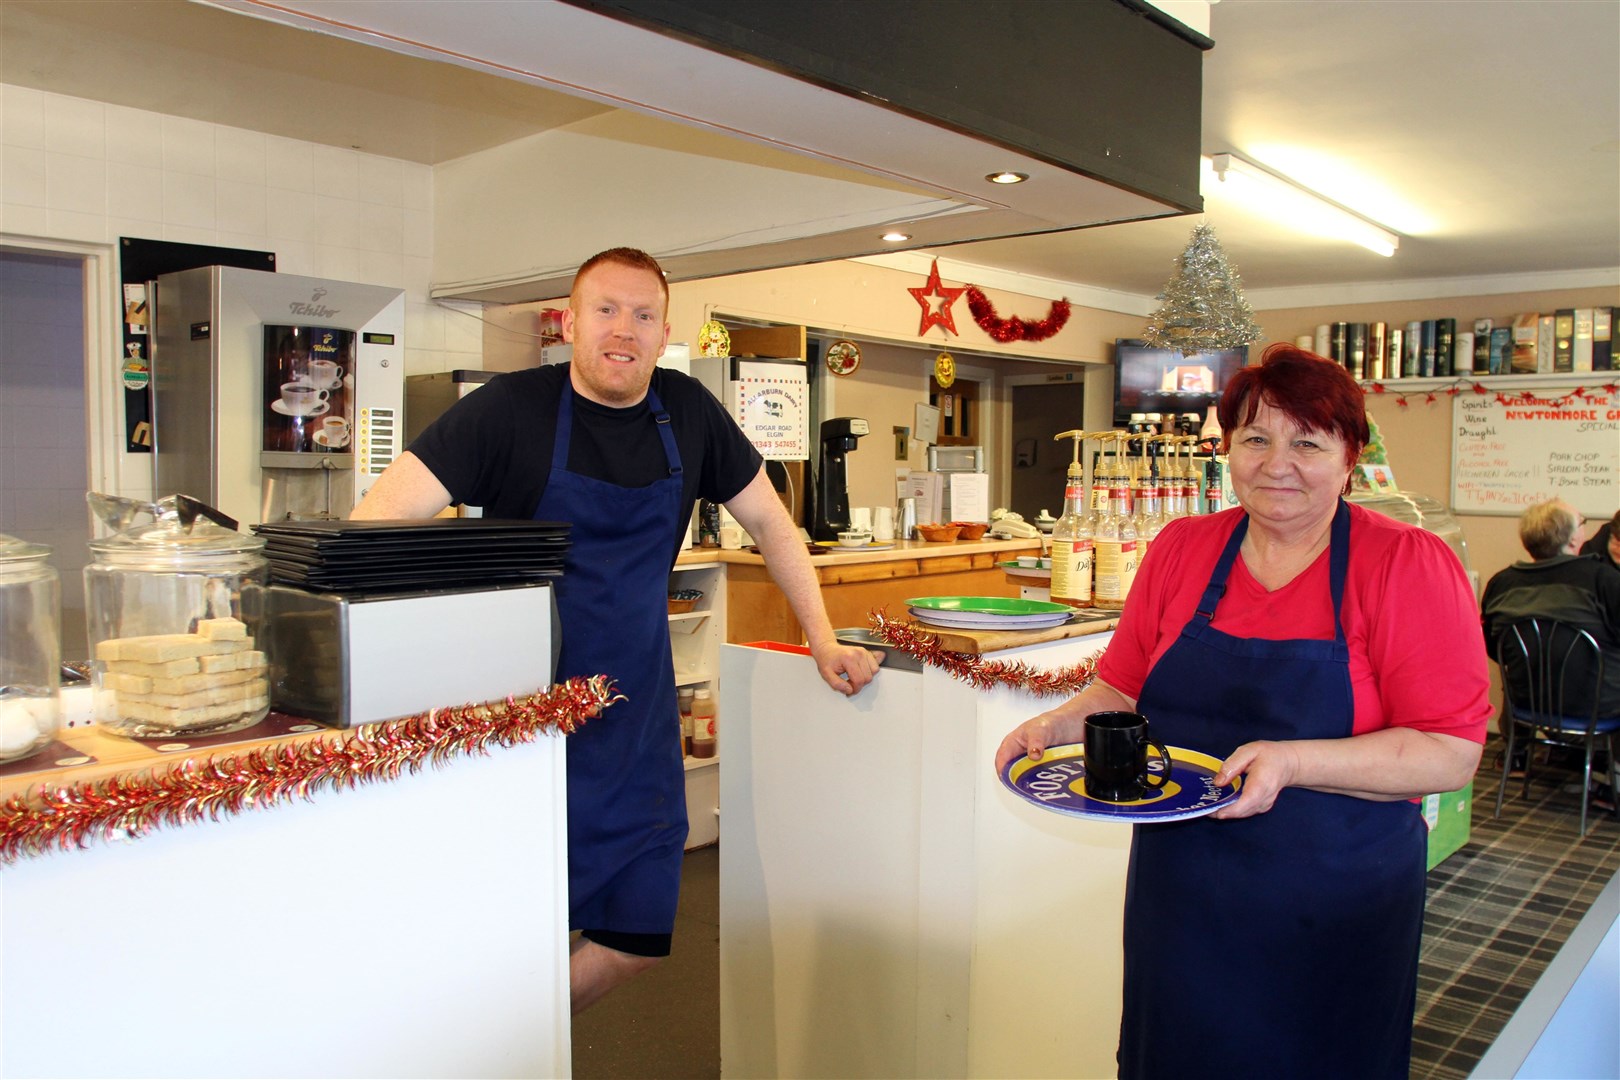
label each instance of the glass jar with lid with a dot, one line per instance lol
(174, 609)
(30, 648)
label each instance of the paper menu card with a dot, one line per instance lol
(928, 489)
(970, 496)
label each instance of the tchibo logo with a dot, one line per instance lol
(314, 309)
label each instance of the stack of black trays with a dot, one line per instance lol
(385, 556)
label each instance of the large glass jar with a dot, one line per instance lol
(30, 648)
(174, 614)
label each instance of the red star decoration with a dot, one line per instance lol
(943, 316)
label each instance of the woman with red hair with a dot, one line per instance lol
(1332, 656)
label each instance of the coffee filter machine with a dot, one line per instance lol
(838, 437)
(275, 396)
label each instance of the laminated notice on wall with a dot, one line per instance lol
(771, 403)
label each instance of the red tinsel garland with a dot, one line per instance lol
(190, 791)
(975, 670)
(1014, 328)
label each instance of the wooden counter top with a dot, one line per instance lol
(114, 755)
(903, 551)
(978, 642)
(856, 583)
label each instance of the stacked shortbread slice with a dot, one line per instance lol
(179, 682)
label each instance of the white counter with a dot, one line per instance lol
(887, 907)
(411, 927)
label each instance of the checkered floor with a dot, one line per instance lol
(1499, 910)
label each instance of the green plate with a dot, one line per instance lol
(987, 605)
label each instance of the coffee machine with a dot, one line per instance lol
(838, 437)
(274, 396)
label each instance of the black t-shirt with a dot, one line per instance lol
(492, 448)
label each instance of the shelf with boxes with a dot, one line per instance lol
(1565, 341)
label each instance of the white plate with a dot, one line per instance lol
(1044, 573)
(835, 547)
(322, 440)
(969, 621)
(285, 410)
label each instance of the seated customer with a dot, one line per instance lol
(1605, 543)
(1580, 590)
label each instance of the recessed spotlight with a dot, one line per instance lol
(896, 237)
(1007, 177)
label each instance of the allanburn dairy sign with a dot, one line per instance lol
(770, 402)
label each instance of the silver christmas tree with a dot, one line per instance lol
(1203, 308)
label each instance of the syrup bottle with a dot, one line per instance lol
(1072, 536)
(1115, 542)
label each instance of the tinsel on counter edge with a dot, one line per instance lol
(192, 790)
(978, 672)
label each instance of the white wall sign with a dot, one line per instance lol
(1508, 453)
(770, 402)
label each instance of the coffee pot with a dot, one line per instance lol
(905, 518)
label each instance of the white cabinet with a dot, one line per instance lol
(694, 639)
(877, 882)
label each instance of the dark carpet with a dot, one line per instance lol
(665, 1024)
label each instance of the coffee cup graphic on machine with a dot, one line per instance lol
(325, 374)
(301, 399)
(334, 432)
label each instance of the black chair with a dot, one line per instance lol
(1551, 673)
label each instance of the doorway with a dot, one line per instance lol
(1039, 464)
(44, 459)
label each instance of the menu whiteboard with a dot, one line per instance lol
(1507, 452)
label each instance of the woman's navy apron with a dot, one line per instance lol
(1284, 944)
(626, 788)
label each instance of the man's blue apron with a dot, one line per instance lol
(1284, 944)
(626, 788)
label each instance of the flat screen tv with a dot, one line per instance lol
(1164, 381)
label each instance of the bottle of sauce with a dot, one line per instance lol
(1214, 497)
(684, 696)
(1175, 482)
(1149, 511)
(1115, 565)
(703, 724)
(1101, 473)
(708, 524)
(1071, 536)
(1190, 485)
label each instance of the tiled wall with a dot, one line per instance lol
(82, 171)
(43, 463)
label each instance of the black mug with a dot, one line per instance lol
(1117, 757)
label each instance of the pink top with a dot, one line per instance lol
(1417, 657)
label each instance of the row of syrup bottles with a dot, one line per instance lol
(1107, 525)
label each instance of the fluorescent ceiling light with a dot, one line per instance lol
(1285, 201)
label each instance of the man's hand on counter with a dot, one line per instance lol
(846, 668)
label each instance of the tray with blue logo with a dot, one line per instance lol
(1057, 783)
